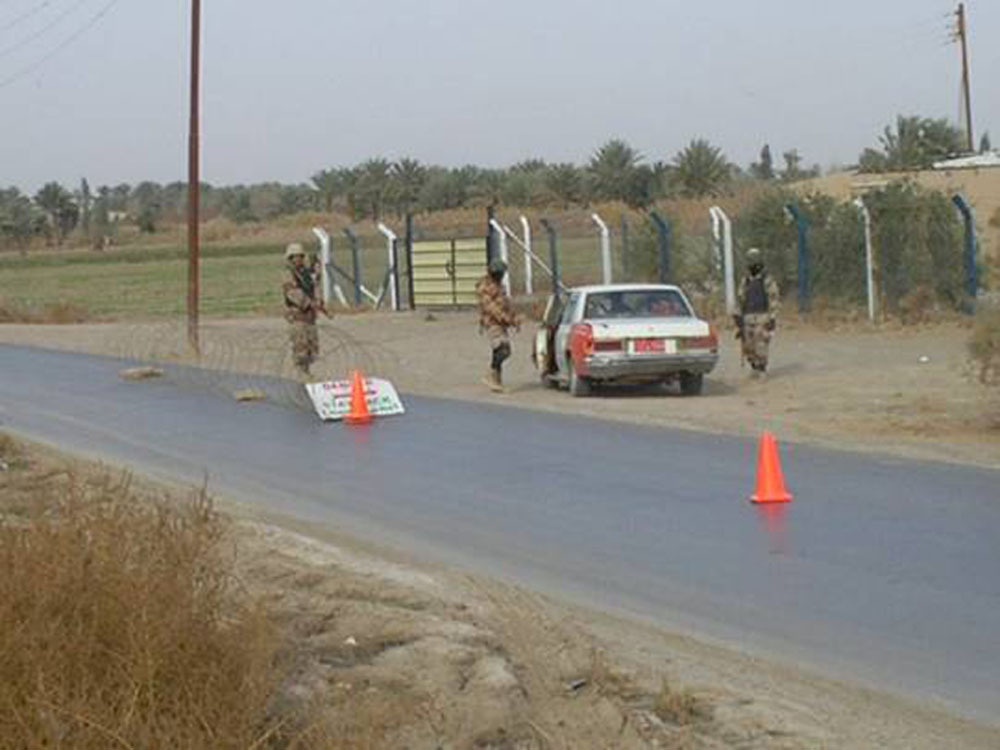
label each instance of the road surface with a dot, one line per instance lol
(883, 571)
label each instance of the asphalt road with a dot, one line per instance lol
(882, 571)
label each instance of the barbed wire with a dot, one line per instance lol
(94, 20)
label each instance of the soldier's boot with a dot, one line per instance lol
(493, 381)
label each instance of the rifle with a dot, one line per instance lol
(741, 337)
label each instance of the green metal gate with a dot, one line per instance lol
(445, 272)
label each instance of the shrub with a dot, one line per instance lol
(984, 345)
(120, 624)
(917, 243)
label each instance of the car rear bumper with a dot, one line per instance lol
(618, 367)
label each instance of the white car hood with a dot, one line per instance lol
(649, 328)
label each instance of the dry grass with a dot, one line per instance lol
(680, 707)
(60, 313)
(120, 622)
(984, 345)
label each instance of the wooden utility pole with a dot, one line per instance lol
(962, 34)
(194, 180)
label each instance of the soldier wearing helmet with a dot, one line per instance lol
(301, 307)
(496, 318)
(759, 301)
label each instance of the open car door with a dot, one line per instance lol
(544, 347)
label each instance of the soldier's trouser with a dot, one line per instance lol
(756, 340)
(305, 344)
(499, 346)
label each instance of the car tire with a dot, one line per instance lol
(578, 385)
(692, 383)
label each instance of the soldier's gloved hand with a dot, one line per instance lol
(771, 325)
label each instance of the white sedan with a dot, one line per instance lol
(624, 333)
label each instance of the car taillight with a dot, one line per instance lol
(581, 340)
(711, 341)
(607, 346)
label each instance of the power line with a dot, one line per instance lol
(42, 31)
(62, 45)
(26, 15)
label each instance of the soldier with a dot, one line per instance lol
(759, 301)
(496, 318)
(301, 308)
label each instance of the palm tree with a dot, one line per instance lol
(699, 170)
(57, 202)
(20, 220)
(914, 143)
(565, 182)
(372, 185)
(330, 184)
(612, 170)
(408, 179)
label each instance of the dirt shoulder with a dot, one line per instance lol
(900, 391)
(438, 658)
(395, 654)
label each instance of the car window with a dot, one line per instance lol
(636, 303)
(567, 315)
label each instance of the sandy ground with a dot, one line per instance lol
(410, 656)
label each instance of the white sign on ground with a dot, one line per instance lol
(332, 400)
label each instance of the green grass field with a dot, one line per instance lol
(151, 282)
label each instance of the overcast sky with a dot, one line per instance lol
(98, 88)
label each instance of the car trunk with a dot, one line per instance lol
(648, 329)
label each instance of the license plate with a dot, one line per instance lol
(653, 346)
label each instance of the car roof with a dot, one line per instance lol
(592, 288)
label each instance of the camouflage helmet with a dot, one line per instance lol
(497, 267)
(293, 249)
(753, 255)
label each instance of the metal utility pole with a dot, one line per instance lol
(194, 180)
(962, 33)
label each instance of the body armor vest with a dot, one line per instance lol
(756, 297)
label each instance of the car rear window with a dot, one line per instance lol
(638, 303)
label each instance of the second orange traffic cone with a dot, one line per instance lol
(770, 480)
(359, 413)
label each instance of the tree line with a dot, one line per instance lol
(379, 187)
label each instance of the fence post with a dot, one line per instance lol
(866, 218)
(665, 237)
(498, 229)
(409, 259)
(625, 248)
(352, 238)
(971, 247)
(722, 228)
(324, 263)
(802, 229)
(605, 248)
(490, 248)
(528, 279)
(553, 254)
(393, 271)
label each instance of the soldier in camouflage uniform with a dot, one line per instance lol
(759, 300)
(496, 318)
(301, 308)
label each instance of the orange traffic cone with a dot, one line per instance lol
(359, 413)
(770, 480)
